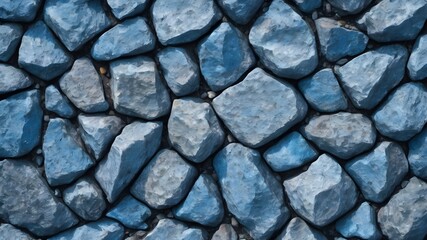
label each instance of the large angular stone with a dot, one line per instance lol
(225, 232)
(252, 193)
(19, 11)
(21, 123)
(240, 11)
(417, 64)
(183, 21)
(194, 130)
(259, 108)
(130, 151)
(405, 215)
(346, 7)
(165, 181)
(369, 77)
(104, 229)
(10, 36)
(308, 5)
(343, 134)
(127, 8)
(172, 229)
(417, 156)
(137, 90)
(8, 231)
(28, 202)
(404, 113)
(325, 202)
(55, 102)
(298, 229)
(41, 54)
(224, 56)
(75, 22)
(12, 79)
(285, 45)
(131, 213)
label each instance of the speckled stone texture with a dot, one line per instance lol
(417, 64)
(12, 79)
(298, 229)
(127, 8)
(55, 102)
(131, 213)
(173, 229)
(104, 229)
(8, 231)
(20, 11)
(348, 7)
(10, 36)
(417, 155)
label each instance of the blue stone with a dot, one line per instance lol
(21, 123)
(179, 70)
(323, 92)
(224, 56)
(290, 152)
(64, 156)
(10, 37)
(104, 229)
(251, 191)
(240, 11)
(75, 22)
(417, 64)
(12, 79)
(39, 43)
(285, 45)
(127, 8)
(173, 229)
(308, 5)
(369, 77)
(131, 213)
(337, 41)
(19, 11)
(8, 231)
(298, 229)
(131, 37)
(347, 7)
(56, 102)
(225, 232)
(417, 156)
(404, 113)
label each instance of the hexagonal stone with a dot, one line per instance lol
(55, 102)
(240, 11)
(12, 79)
(417, 156)
(182, 21)
(252, 193)
(417, 64)
(225, 232)
(298, 229)
(291, 57)
(343, 134)
(10, 36)
(8, 231)
(173, 229)
(19, 11)
(308, 5)
(165, 181)
(127, 8)
(346, 7)
(131, 213)
(104, 229)
(260, 108)
(322, 203)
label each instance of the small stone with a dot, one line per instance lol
(39, 161)
(165, 181)
(240, 11)
(417, 64)
(172, 229)
(234, 222)
(417, 156)
(103, 229)
(225, 232)
(102, 71)
(8, 231)
(314, 15)
(322, 203)
(289, 57)
(131, 213)
(19, 11)
(56, 102)
(349, 7)
(127, 8)
(139, 235)
(298, 229)
(211, 94)
(308, 5)
(10, 36)
(12, 79)
(57, 193)
(46, 118)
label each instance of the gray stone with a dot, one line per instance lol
(193, 129)
(308, 5)
(12, 79)
(417, 156)
(417, 64)
(346, 7)
(56, 102)
(127, 8)
(130, 151)
(10, 36)
(240, 11)
(260, 108)
(172, 229)
(8, 231)
(322, 203)
(165, 181)
(298, 229)
(137, 90)
(28, 202)
(131, 213)
(103, 229)
(285, 45)
(343, 134)
(252, 193)
(225, 232)
(19, 11)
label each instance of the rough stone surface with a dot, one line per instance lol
(10, 36)
(172, 229)
(322, 203)
(130, 151)
(246, 181)
(8, 231)
(12, 79)
(56, 102)
(259, 108)
(240, 11)
(131, 213)
(127, 8)
(286, 46)
(350, 6)
(417, 64)
(308, 5)
(104, 229)
(19, 11)
(417, 156)
(225, 232)
(298, 229)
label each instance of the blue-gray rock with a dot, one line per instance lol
(326, 201)
(417, 156)
(41, 54)
(380, 171)
(103, 229)
(346, 7)
(28, 202)
(260, 108)
(417, 64)
(323, 92)
(8, 231)
(130, 151)
(343, 134)
(131, 213)
(180, 71)
(369, 77)
(193, 129)
(361, 223)
(56, 102)
(183, 21)
(10, 37)
(382, 24)
(127, 8)
(337, 41)
(225, 232)
(165, 181)
(405, 215)
(251, 191)
(85, 198)
(75, 22)
(298, 229)
(240, 11)
(308, 5)
(129, 38)
(64, 156)
(404, 113)
(173, 229)
(137, 90)
(83, 86)
(12, 79)
(224, 56)
(290, 57)
(21, 123)
(98, 132)
(290, 152)
(19, 11)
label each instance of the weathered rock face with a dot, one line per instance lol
(225, 232)
(172, 229)
(417, 64)
(417, 156)
(241, 11)
(308, 5)
(19, 11)
(104, 229)
(349, 6)
(8, 231)
(298, 229)
(10, 36)
(127, 8)
(56, 102)
(131, 213)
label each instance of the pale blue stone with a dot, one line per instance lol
(173, 229)
(417, 156)
(10, 37)
(225, 232)
(240, 11)
(308, 5)
(417, 64)
(56, 102)
(12, 79)
(298, 229)
(346, 7)
(19, 11)
(8, 231)
(127, 8)
(131, 213)
(104, 229)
